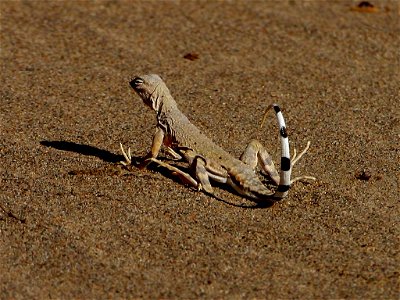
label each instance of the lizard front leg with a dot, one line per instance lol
(155, 148)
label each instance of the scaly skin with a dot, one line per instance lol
(176, 132)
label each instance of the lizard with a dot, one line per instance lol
(208, 161)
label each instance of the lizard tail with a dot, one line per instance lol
(286, 167)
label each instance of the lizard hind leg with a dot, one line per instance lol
(184, 177)
(199, 166)
(255, 154)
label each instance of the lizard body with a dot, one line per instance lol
(209, 161)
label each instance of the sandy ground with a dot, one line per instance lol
(72, 225)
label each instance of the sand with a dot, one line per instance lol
(75, 225)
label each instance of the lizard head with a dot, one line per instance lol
(151, 88)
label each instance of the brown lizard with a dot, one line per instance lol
(185, 141)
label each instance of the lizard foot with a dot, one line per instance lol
(295, 159)
(305, 177)
(128, 156)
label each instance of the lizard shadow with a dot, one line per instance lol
(258, 204)
(104, 155)
(110, 157)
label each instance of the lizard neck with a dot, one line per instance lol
(171, 119)
(167, 107)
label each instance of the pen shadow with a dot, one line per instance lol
(110, 157)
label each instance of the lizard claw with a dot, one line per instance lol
(302, 178)
(296, 157)
(128, 156)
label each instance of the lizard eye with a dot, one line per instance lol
(136, 81)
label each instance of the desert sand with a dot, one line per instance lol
(75, 225)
